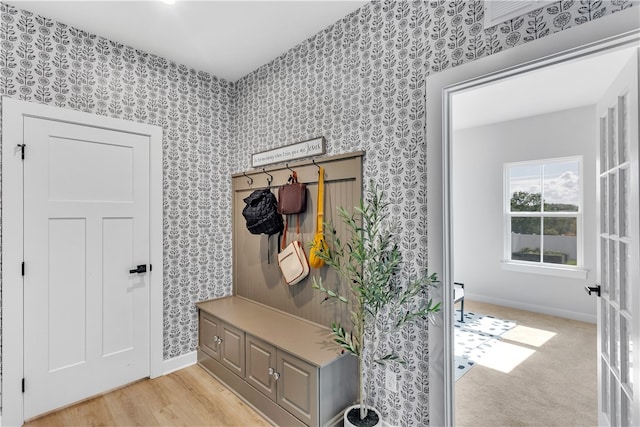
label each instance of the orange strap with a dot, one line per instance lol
(320, 213)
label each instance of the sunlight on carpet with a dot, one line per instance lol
(475, 337)
(504, 357)
(529, 336)
(479, 340)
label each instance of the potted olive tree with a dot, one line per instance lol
(367, 263)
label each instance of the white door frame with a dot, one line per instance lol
(611, 32)
(13, 112)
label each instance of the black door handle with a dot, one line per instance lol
(142, 268)
(589, 289)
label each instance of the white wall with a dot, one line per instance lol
(478, 158)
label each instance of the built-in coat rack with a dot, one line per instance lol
(257, 280)
(306, 170)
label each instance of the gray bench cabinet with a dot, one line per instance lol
(223, 342)
(284, 378)
(287, 368)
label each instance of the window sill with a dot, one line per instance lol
(546, 270)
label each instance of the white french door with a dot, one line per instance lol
(86, 225)
(618, 253)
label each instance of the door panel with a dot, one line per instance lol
(118, 305)
(260, 357)
(86, 319)
(65, 305)
(209, 333)
(297, 387)
(232, 349)
(619, 274)
(84, 180)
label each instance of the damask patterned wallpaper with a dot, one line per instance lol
(48, 62)
(361, 84)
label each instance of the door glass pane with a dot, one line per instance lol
(614, 356)
(625, 287)
(604, 265)
(611, 139)
(626, 339)
(615, 401)
(624, 202)
(525, 239)
(605, 329)
(603, 144)
(560, 241)
(604, 369)
(613, 271)
(630, 355)
(604, 211)
(612, 201)
(623, 139)
(525, 188)
(627, 411)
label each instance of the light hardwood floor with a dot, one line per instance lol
(550, 378)
(555, 385)
(188, 397)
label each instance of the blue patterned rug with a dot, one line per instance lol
(474, 337)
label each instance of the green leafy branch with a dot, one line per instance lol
(368, 262)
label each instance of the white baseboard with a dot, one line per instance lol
(573, 315)
(177, 363)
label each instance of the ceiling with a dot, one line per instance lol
(559, 87)
(228, 39)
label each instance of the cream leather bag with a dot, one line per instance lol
(292, 260)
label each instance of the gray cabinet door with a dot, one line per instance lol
(208, 332)
(298, 387)
(232, 349)
(261, 366)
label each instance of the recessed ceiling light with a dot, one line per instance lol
(169, 2)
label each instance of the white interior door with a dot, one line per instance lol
(86, 224)
(618, 252)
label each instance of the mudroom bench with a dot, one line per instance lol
(287, 368)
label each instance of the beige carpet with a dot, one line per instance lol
(543, 373)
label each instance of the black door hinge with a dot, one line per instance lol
(22, 150)
(150, 267)
(23, 268)
(23, 385)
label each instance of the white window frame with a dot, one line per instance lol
(572, 271)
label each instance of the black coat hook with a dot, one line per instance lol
(270, 179)
(316, 165)
(249, 179)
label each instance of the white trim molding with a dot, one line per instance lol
(545, 270)
(13, 114)
(567, 314)
(179, 362)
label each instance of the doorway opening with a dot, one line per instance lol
(539, 116)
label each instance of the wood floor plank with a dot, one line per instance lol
(188, 397)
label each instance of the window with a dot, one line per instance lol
(543, 219)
